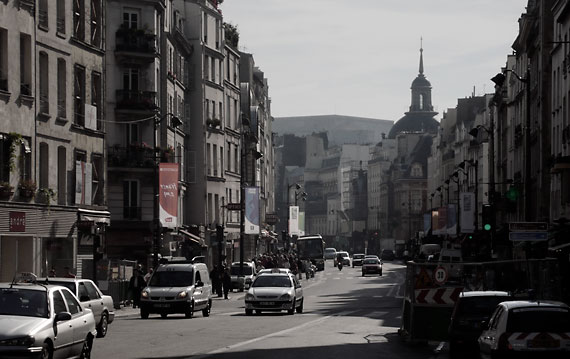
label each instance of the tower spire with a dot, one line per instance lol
(421, 56)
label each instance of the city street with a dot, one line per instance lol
(345, 315)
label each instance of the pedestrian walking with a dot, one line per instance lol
(227, 282)
(215, 278)
(136, 285)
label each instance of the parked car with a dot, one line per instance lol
(330, 253)
(242, 282)
(357, 259)
(47, 321)
(472, 308)
(537, 328)
(387, 255)
(92, 298)
(275, 291)
(371, 265)
(177, 288)
(345, 258)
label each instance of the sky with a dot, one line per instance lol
(359, 57)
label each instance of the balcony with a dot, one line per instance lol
(135, 45)
(135, 100)
(134, 156)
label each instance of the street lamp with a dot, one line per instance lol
(473, 163)
(156, 235)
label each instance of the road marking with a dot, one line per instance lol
(237, 345)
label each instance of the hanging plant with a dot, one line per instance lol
(48, 195)
(15, 140)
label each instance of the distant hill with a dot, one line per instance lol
(341, 129)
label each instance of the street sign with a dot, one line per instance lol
(440, 275)
(233, 206)
(528, 226)
(528, 236)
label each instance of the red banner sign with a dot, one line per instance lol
(168, 194)
(17, 221)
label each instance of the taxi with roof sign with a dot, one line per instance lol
(522, 328)
(43, 320)
(274, 291)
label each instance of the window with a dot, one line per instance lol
(58, 303)
(96, 23)
(131, 79)
(205, 28)
(25, 161)
(221, 161)
(215, 160)
(97, 179)
(25, 65)
(180, 161)
(228, 156)
(61, 88)
(208, 160)
(61, 16)
(132, 133)
(213, 71)
(72, 303)
(131, 19)
(217, 208)
(44, 83)
(91, 290)
(43, 14)
(3, 60)
(5, 158)
(96, 97)
(61, 175)
(236, 160)
(79, 19)
(44, 165)
(79, 96)
(131, 209)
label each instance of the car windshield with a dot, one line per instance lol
(479, 306)
(171, 279)
(272, 281)
(247, 270)
(527, 320)
(23, 302)
(371, 261)
(358, 256)
(344, 254)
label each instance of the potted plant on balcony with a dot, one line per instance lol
(27, 188)
(47, 195)
(5, 190)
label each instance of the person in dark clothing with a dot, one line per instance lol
(227, 281)
(136, 285)
(215, 278)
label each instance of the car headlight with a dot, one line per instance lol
(182, 295)
(285, 297)
(20, 342)
(249, 296)
(144, 294)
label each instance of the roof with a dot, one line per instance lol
(514, 304)
(484, 293)
(415, 122)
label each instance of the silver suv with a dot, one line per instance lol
(177, 288)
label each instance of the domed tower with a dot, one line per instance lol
(420, 117)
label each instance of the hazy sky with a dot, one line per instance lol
(359, 57)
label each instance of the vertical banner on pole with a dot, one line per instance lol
(467, 217)
(442, 220)
(251, 210)
(427, 222)
(294, 220)
(168, 194)
(435, 222)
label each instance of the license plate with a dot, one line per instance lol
(543, 344)
(162, 305)
(267, 303)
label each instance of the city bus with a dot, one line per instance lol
(312, 247)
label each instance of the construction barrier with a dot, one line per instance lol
(431, 291)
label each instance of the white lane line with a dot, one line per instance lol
(237, 345)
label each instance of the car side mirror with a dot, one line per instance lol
(84, 298)
(62, 316)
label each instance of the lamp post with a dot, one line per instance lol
(475, 164)
(156, 235)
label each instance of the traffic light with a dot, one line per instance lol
(488, 217)
(512, 194)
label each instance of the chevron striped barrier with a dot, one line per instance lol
(438, 296)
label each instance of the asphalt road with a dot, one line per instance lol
(345, 316)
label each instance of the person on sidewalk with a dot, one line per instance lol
(227, 282)
(136, 285)
(215, 278)
(148, 275)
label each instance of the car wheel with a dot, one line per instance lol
(206, 311)
(47, 351)
(103, 326)
(248, 311)
(86, 350)
(292, 310)
(144, 314)
(300, 307)
(189, 311)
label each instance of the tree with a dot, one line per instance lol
(232, 34)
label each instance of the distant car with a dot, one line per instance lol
(275, 291)
(177, 288)
(330, 253)
(274, 270)
(371, 256)
(388, 255)
(522, 327)
(472, 308)
(357, 259)
(242, 282)
(45, 321)
(92, 298)
(345, 258)
(371, 265)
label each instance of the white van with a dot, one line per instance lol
(182, 287)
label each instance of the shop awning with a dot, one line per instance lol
(102, 217)
(192, 237)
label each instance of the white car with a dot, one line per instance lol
(242, 282)
(92, 298)
(46, 321)
(275, 291)
(522, 327)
